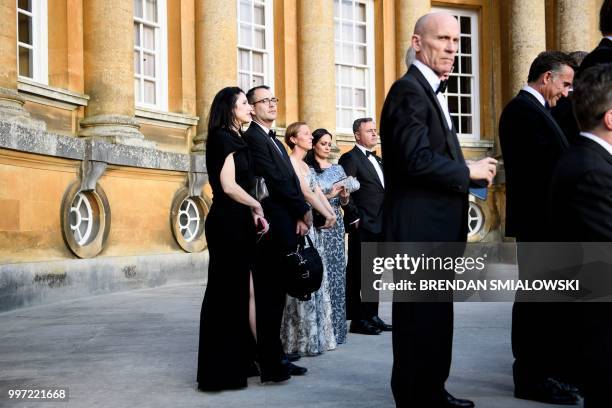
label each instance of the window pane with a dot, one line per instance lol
(260, 15)
(466, 125)
(347, 54)
(466, 65)
(137, 35)
(360, 34)
(345, 75)
(347, 9)
(138, 8)
(360, 98)
(465, 25)
(466, 85)
(25, 62)
(137, 62)
(149, 92)
(25, 28)
(466, 105)
(25, 5)
(151, 6)
(360, 12)
(260, 38)
(345, 96)
(245, 35)
(452, 84)
(453, 104)
(149, 64)
(455, 121)
(336, 8)
(257, 80)
(149, 37)
(245, 11)
(346, 118)
(337, 31)
(360, 55)
(338, 52)
(258, 62)
(466, 45)
(347, 32)
(244, 60)
(359, 77)
(245, 82)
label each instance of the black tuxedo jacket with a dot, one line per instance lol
(369, 198)
(286, 203)
(531, 142)
(580, 206)
(425, 173)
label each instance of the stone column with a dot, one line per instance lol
(527, 39)
(316, 64)
(11, 104)
(407, 12)
(216, 57)
(574, 20)
(108, 42)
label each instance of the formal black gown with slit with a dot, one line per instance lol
(226, 349)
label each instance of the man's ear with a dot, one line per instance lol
(416, 42)
(607, 119)
(547, 77)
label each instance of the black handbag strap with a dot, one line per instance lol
(302, 242)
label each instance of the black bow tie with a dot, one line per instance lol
(442, 86)
(272, 133)
(369, 153)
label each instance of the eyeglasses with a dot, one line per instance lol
(267, 101)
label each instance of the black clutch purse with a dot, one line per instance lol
(304, 270)
(318, 220)
(259, 189)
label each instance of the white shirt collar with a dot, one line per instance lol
(535, 93)
(609, 37)
(263, 127)
(429, 74)
(363, 149)
(598, 140)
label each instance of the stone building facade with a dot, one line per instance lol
(103, 108)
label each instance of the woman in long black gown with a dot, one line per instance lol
(227, 336)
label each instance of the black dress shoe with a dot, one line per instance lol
(295, 369)
(291, 357)
(363, 327)
(549, 391)
(378, 322)
(452, 402)
(278, 374)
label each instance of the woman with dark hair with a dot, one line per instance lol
(227, 320)
(327, 175)
(307, 325)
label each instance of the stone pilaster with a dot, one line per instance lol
(316, 64)
(574, 20)
(108, 42)
(216, 57)
(527, 38)
(407, 13)
(11, 104)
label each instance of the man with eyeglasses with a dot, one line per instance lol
(580, 210)
(288, 215)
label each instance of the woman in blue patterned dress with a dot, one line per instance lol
(333, 238)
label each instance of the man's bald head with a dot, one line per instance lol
(435, 41)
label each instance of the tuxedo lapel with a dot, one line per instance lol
(451, 137)
(367, 164)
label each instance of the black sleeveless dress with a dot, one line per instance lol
(226, 347)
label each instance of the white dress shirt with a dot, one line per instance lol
(374, 162)
(265, 129)
(598, 140)
(535, 93)
(434, 82)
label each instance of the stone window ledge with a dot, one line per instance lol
(29, 87)
(172, 118)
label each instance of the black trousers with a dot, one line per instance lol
(356, 309)
(422, 351)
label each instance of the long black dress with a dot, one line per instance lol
(226, 344)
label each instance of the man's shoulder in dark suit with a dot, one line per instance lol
(602, 54)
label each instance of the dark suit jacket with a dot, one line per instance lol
(531, 143)
(286, 203)
(369, 198)
(600, 55)
(580, 206)
(425, 174)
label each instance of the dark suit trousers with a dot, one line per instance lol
(355, 308)
(270, 293)
(422, 351)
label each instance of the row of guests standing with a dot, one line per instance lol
(249, 326)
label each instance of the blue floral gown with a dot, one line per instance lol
(334, 253)
(307, 325)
